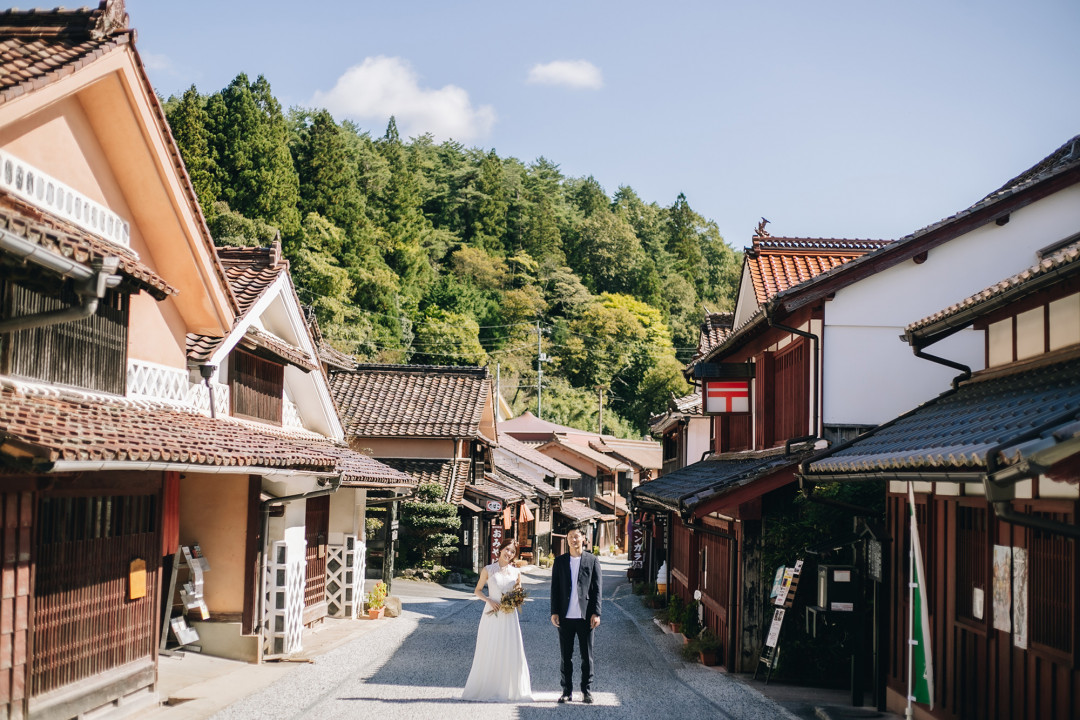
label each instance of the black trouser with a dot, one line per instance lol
(568, 630)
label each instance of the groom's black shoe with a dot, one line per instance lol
(587, 698)
(565, 698)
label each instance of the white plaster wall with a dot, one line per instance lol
(870, 375)
(1065, 322)
(697, 439)
(746, 303)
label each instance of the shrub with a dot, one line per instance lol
(691, 625)
(675, 609)
(377, 597)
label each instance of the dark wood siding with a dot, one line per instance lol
(16, 592)
(257, 387)
(90, 353)
(317, 526)
(84, 622)
(980, 672)
(791, 393)
(763, 401)
(736, 432)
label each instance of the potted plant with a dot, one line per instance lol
(691, 624)
(376, 601)
(676, 613)
(708, 647)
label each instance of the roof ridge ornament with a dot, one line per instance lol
(111, 16)
(760, 231)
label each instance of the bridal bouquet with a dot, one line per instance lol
(512, 600)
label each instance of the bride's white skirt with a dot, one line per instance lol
(499, 672)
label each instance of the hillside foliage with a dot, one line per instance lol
(413, 251)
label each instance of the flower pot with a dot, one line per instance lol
(375, 613)
(708, 657)
(676, 627)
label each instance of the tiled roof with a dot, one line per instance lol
(776, 264)
(714, 329)
(50, 424)
(334, 357)
(39, 47)
(359, 469)
(647, 456)
(577, 511)
(956, 430)
(451, 474)
(1067, 154)
(254, 337)
(584, 451)
(687, 487)
(526, 490)
(688, 403)
(411, 400)
(77, 245)
(490, 489)
(527, 452)
(251, 271)
(200, 348)
(1055, 263)
(505, 468)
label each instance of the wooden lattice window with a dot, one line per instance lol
(972, 564)
(1052, 592)
(317, 526)
(89, 353)
(257, 387)
(791, 392)
(84, 622)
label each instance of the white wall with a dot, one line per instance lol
(697, 438)
(870, 374)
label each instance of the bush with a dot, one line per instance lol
(640, 588)
(691, 625)
(676, 609)
(377, 597)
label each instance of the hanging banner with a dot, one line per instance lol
(637, 546)
(496, 540)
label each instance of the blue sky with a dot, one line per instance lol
(832, 119)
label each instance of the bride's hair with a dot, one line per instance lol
(514, 542)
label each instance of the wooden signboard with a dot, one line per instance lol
(785, 598)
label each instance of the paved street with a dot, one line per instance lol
(415, 666)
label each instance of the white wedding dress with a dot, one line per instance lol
(499, 672)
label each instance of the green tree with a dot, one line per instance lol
(328, 171)
(188, 120)
(250, 142)
(448, 338)
(429, 527)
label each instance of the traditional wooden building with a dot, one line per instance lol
(438, 424)
(107, 266)
(995, 466)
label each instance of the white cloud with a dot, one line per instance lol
(384, 86)
(580, 74)
(156, 62)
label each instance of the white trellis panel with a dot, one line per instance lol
(199, 398)
(291, 415)
(158, 382)
(345, 567)
(283, 599)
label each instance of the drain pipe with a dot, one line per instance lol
(923, 355)
(993, 486)
(90, 288)
(330, 485)
(207, 372)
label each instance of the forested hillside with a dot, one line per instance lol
(412, 251)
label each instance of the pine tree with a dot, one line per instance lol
(250, 141)
(188, 120)
(428, 527)
(328, 173)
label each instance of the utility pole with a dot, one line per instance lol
(541, 358)
(600, 397)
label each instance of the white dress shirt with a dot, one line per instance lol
(574, 611)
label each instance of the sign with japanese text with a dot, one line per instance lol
(637, 546)
(727, 396)
(494, 506)
(496, 540)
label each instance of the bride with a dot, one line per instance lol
(499, 669)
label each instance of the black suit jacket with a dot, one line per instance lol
(589, 585)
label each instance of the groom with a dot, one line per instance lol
(575, 610)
